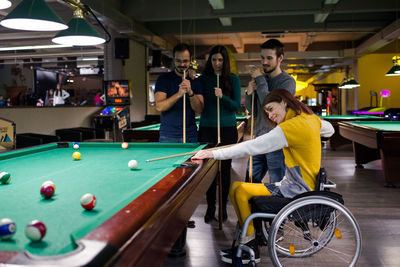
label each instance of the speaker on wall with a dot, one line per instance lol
(156, 62)
(121, 48)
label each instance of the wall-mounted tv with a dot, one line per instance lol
(117, 92)
(44, 81)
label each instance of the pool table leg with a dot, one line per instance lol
(363, 154)
(391, 168)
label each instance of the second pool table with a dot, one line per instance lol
(374, 140)
(336, 139)
(151, 133)
(139, 213)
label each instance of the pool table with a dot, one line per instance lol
(374, 140)
(139, 213)
(336, 139)
(151, 133)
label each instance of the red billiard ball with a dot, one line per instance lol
(124, 145)
(35, 230)
(88, 201)
(47, 190)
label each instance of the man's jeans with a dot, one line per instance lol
(273, 162)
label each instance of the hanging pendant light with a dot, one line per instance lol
(33, 15)
(5, 4)
(79, 32)
(352, 83)
(395, 70)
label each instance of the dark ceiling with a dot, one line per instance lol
(319, 35)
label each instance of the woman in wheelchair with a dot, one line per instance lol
(297, 132)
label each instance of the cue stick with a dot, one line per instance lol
(219, 162)
(251, 137)
(218, 117)
(188, 153)
(184, 111)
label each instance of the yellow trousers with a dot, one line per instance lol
(240, 194)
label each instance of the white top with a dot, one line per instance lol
(59, 99)
(269, 142)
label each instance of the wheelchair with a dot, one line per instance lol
(312, 229)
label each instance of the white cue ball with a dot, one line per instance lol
(132, 164)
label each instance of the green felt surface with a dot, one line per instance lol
(347, 117)
(103, 171)
(380, 125)
(238, 117)
(156, 127)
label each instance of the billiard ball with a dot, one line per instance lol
(35, 230)
(7, 228)
(88, 201)
(124, 145)
(133, 164)
(47, 190)
(75, 146)
(76, 156)
(50, 183)
(5, 177)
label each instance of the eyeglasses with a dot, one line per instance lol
(178, 61)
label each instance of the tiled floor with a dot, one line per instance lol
(376, 208)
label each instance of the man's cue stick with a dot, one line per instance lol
(251, 137)
(184, 111)
(219, 162)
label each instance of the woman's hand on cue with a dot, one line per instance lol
(203, 154)
(218, 92)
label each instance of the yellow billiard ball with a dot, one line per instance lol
(76, 156)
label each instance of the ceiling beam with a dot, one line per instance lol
(237, 42)
(380, 39)
(61, 53)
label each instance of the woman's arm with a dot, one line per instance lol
(65, 94)
(326, 129)
(269, 142)
(233, 104)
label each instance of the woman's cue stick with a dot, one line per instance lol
(184, 112)
(251, 137)
(188, 153)
(219, 162)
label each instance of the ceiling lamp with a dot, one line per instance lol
(352, 83)
(395, 70)
(33, 15)
(4, 4)
(80, 32)
(343, 84)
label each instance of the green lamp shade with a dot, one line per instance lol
(33, 15)
(394, 71)
(79, 33)
(344, 85)
(352, 83)
(5, 4)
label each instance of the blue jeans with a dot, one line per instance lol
(273, 162)
(167, 139)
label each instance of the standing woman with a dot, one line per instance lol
(228, 92)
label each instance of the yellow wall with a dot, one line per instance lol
(372, 69)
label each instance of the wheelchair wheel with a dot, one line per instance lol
(314, 231)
